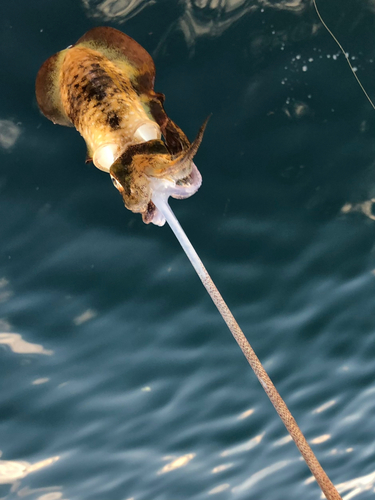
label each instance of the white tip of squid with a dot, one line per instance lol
(162, 189)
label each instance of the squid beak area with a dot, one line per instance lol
(180, 169)
(149, 214)
(133, 171)
(129, 176)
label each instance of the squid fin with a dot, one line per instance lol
(47, 90)
(125, 53)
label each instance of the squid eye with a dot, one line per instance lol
(116, 183)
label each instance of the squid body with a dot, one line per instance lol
(104, 87)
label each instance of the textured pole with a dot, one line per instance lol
(321, 477)
(295, 432)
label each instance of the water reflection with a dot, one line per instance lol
(12, 470)
(221, 468)
(20, 346)
(357, 486)
(40, 381)
(9, 133)
(262, 474)
(219, 489)
(85, 316)
(245, 414)
(199, 17)
(325, 406)
(282, 441)
(321, 439)
(177, 463)
(293, 5)
(121, 10)
(50, 493)
(365, 207)
(248, 445)
(296, 109)
(55, 495)
(211, 17)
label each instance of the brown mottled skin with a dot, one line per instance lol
(99, 99)
(103, 86)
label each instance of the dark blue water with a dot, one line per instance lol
(119, 379)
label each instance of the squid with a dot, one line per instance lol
(104, 87)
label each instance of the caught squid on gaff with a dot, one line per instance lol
(104, 87)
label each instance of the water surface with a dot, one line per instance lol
(119, 379)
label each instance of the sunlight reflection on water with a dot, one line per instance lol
(357, 486)
(177, 463)
(20, 346)
(11, 470)
(260, 475)
(248, 445)
(135, 322)
(199, 17)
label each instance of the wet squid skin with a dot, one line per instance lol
(103, 86)
(96, 92)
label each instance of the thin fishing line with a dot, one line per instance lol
(345, 54)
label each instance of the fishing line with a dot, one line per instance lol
(345, 54)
